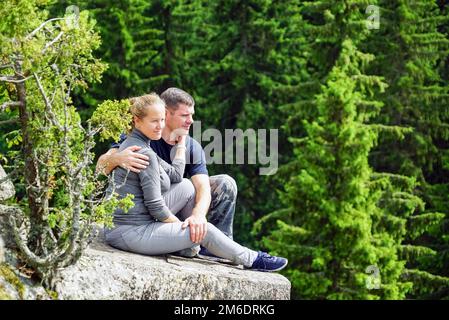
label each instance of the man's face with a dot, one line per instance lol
(182, 118)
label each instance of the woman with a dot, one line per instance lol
(162, 197)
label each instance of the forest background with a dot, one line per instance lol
(359, 93)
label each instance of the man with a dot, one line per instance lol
(215, 195)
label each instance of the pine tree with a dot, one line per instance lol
(132, 45)
(404, 218)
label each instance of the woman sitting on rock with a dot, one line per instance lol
(163, 199)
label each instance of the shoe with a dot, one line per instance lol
(206, 255)
(267, 263)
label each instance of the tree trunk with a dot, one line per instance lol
(35, 241)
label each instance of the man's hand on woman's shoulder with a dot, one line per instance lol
(130, 159)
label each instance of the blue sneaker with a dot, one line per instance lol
(267, 263)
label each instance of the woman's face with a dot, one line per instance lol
(153, 123)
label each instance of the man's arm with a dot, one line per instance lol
(127, 159)
(197, 221)
(203, 197)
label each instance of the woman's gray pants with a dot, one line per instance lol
(157, 238)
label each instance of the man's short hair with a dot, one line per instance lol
(175, 96)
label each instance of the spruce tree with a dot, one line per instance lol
(329, 227)
(411, 51)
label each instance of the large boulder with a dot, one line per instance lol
(106, 273)
(6, 187)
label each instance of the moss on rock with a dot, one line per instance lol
(10, 277)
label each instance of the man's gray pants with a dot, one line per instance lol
(155, 238)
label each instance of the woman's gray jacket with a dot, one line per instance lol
(147, 186)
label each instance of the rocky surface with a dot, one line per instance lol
(106, 273)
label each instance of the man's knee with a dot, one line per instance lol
(224, 183)
(231, 184)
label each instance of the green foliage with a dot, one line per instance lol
(10, 277)
(112, 118)
(45, 60)
(102, 212)
(13, 13)
(133, 40)
(427, 286)
(364, 175)
(329, 197)
(423, 223)
(396, 214)
(411, 49)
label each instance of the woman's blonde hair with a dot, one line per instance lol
(139, 105)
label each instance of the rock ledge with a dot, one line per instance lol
(107, 273)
